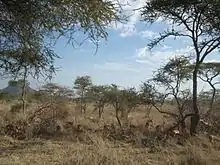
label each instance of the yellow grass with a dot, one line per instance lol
(101, 151)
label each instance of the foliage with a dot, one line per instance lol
(97, 93)
(176, 71)
(15, 108)
(195, 17)
(196, 20)
(208, 72)
(115, 99)
(123, 101)
(28, 30)
(82, 85)
(171, 77)
(131, 97)
(12, 83)
(18, 82)
(5, 96)
(57, 110)
(56, 91)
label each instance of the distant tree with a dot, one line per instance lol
(208, 72)
(131, 97)
(196, 20)
(145, 95)
(123, 101)
(56, 92)
(39, 96)
(82, 85)
(217, 96)
(18, 89)
(97, 93)
(5, 97)
(115, 99)
(24, 84)
(12, 83)
(170, 77)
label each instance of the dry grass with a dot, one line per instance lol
(89, 147)
(101, 152)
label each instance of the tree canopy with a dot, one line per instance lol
(28, 30)
(196, 20)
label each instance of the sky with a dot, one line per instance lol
(123, 59)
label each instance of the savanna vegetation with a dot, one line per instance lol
(163, 121)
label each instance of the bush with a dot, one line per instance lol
(17, 107)
(55, 110)
(16, 129)
(45, 127)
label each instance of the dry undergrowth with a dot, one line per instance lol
(87, 140)
(102, 152)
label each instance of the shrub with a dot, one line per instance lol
(16, 108)
(55, 110)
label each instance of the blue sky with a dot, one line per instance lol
(122, 59)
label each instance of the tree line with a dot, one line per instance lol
(27, 40)
(166, 86)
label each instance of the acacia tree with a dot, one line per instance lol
(145, 95)
(196, 20)
(170, 77)
(123, 101)
(23, 84)
(113, 96)
(28, 30)
(82, 85)
(208, 72)
(56, 92)
(131, 97)
(97, 93)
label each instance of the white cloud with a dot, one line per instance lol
(153, 59)
(144, 53)
(188, 50)
(165, 47)
(212, 60)
(129, 6)
(141, 53)
(144, 56)
(145, 62)
(148, 34)
(115, 66)
(128, 30)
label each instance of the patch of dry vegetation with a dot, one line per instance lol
(87, 140)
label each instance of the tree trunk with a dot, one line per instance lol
(196, 117)
(81, 104)
(23, 99)
(124, 116)
(117, 116)
(100, 111)
(212, 100)
(183, 127)
(147, 110)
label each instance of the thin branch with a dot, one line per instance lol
(163, 112)
(163, 36)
